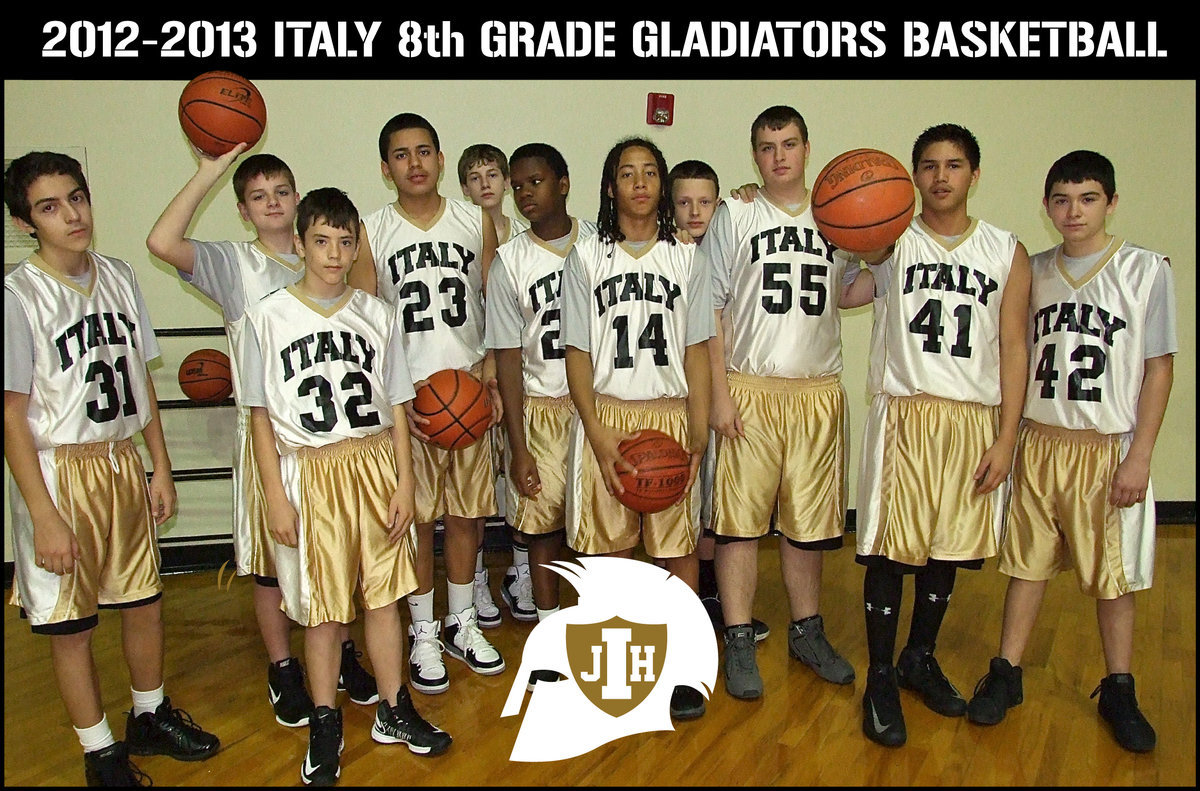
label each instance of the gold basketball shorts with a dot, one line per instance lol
(454, 482)
(916, 485)
(547, 435)
(100, 491)
(1059, 516)
(597, 523)
(253, 545)
(341, 493)
(792, 458)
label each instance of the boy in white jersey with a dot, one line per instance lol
(485, 176)
(779, 408)
(636, 325)
(695, 194)
(76, 389)
(429, 256)
(484, 173)
(235, 275)
(523, 327)
(947, 381)
(326, 379)
(1100, 373)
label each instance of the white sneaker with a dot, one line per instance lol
(517, 592)
(426, 668)
(466, 643)
(485, 606)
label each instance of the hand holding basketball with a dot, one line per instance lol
(663, 471)
(456, 407)
(605, 442)
(219, 109)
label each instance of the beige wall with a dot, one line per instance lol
(137, 159)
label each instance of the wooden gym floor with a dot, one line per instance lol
(802, 732)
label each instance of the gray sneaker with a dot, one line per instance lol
(807, 642)
(741, 667)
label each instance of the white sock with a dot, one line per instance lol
(146, 701)
(421, 607)
(544, 614)
(97, 737)
(520, 555)
(479, 560)
(459, 596)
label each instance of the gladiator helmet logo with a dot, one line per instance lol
(636, 633)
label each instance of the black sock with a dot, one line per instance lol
(934, 584)
(708, 578)
(882, 593)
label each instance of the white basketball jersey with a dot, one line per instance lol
(321, 367)
(261, 272)
(638, 316)
(433, 274)
(516, 227)
(784, 284)
(1087, 354)
(534, 270)
(937, 325)
(89, 368)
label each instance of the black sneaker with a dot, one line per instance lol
(354, 678)
(542, 677)
(996, 693)
(168, 731)
(712, 605)
(111, 767)
(919, 671)
(883, 719)
(1119, 708)
(287, 693)
(686, 703)
(402, 724)
(322, 763)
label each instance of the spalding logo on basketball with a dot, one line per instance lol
(662, 467)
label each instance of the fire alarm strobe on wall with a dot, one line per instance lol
(660, 109)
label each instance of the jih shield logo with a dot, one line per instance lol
(616, 663)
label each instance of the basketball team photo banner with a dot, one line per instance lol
(383, 45)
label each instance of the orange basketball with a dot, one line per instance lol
(863, 200)
(204, 376)
(458, 407)
(662, 472)
(220, 109)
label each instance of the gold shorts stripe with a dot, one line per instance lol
(1059, 516)
(597, 523)
(547, 435)
(791, 460)
(342, 493)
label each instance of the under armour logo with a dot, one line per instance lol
(882, 610)
(934, 598)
